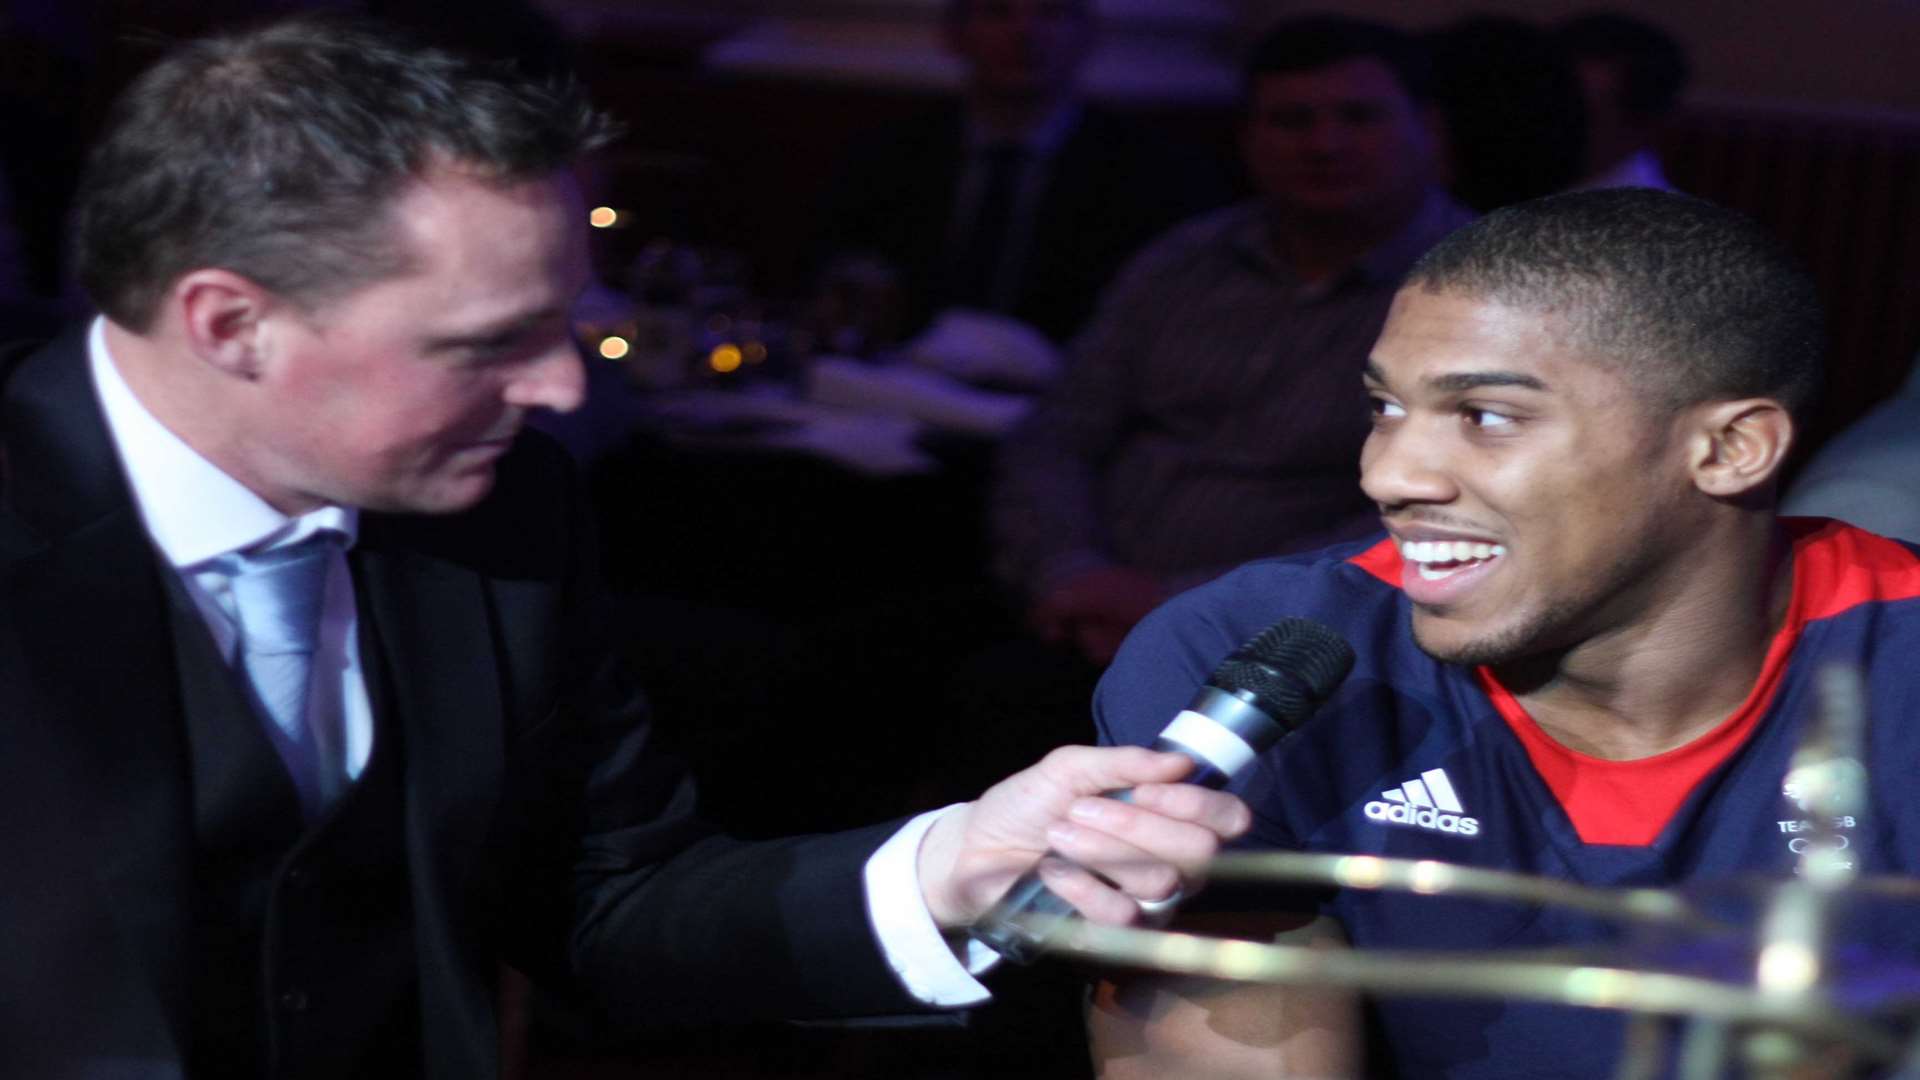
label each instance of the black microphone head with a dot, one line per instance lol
(1287, 670)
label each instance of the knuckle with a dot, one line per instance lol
(1103, 905)
(1230, 817)
(1239, 820)
(1162, 881)
(1170, 800)
(1065, 760)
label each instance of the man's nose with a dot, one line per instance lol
(1326, 134)
(555, 380)
(1398, 468)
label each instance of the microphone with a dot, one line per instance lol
(1261, 693)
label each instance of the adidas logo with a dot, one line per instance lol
(1425, 803)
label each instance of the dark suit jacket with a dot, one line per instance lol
(1112, 186)
(541, 828)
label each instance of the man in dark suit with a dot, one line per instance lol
(308, 720)
(1021, 199)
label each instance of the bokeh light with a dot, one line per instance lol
(724, 358)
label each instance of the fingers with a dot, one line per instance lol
(1154, 797)
(1121, 859)
(1138, 841)
(1096, 900)
(1151, 846)
(1137, 873)
(1220, 813)
(1089, 770)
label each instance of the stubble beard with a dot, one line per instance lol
(1554, 627)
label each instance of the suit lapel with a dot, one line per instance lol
(433, 631)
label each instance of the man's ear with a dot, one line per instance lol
(221, 315)
(1739, 446)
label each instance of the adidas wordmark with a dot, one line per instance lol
(1428, 802)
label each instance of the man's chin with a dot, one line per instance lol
(1460, 645)
(449, 495)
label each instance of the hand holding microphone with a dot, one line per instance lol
(1260, 694)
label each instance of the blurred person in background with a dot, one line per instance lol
(1631, 74)
(1021, 199)
(1514, 118)
(1208, 414)
(1868, 474)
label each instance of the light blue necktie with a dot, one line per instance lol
(278, 595)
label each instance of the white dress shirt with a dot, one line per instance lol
(196, 513)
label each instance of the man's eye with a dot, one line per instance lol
(505, 348)
(1486, 418)
(1387, 410)
(489, 349)
(1289, 119)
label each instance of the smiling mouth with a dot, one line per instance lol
(1436, 560)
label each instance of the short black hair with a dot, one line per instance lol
(278, 152)
(1696, 302)
(1653, 65)
(1312, 42)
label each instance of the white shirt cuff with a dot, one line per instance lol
(932, 969)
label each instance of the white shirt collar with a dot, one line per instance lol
(193, 510)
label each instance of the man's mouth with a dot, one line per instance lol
(1436, 560)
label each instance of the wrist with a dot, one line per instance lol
(935, 863)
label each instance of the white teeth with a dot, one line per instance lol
(1422, 552)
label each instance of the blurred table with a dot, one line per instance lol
(748, 515)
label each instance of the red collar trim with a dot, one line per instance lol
(1382, 560)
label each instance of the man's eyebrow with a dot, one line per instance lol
(496, 333)
(1461, 381)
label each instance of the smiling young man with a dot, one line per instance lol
(1587, 647)
(310, 715)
